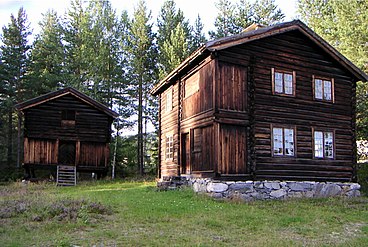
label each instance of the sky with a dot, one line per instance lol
(191, 8)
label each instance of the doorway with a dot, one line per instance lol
(66, 153)
(185, 153)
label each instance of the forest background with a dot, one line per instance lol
(116, 58)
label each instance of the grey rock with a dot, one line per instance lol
(329, 190)
(258, 185)
(241, 187)
(295, 194)
(272, 185)
(278, 193)
(283, 184)
(216, 195)
(353, 193)
(217, 187)
(199, 188)
(354, 186)
(299, 186)
(309, 194)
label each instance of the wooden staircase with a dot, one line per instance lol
(66, 176)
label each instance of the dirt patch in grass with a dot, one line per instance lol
(336, 237)
(37, 205)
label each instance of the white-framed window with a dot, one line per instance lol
(169, 151)
(323, 89)
(283, 82)
(324, 144)
(283, 141)
(169, 99)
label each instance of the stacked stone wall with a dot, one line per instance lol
(263, 190)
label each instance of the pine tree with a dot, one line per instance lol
(245, 15)
(233, 18)
(14, 67)
(175, 48)
(265, 12)
(48, 54)
(168, 21)
(142, 52)
(198, 37)
(76, 34)
(225, 22)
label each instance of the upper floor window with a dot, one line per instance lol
(283, 141)
(323, 144)
(283, 82)
(169, 100)
(67, 118)
(323, 89)
(169, 151)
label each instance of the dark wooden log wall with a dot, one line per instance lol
(169, 126)
(38, 151)
(293, 52)
(44, 121)
(93, 153)
(202, 150)
(232, 155)
(198, 101)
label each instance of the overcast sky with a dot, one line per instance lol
(191, 8)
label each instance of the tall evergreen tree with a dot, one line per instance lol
(266, 12)
(48, 54)
(343, 24)
(225, 22)
(171, 20)
(142, 52)
(14, 67)
(76, 34)
(198, 37)
(233, 18)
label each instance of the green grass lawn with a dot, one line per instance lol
(136, 214)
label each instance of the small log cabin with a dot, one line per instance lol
(66, 127)
(271, 103)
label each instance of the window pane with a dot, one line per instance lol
(318, 144)
(278, 83)
(328, 145)
(288, 81)
(277, 141)
(318, 89)
(327, 90)
(169, 100)
(289, 142)
(169, 147)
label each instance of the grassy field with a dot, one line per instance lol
(136, 214)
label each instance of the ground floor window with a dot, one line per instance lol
(169, 147)
(323, 144)
(283, 141)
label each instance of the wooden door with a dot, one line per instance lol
(67, 152)
(185, 154)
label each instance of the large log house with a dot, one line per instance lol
(271, 103)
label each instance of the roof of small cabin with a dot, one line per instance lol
(257, 33)
(62, 92)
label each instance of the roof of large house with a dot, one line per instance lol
(256, 32)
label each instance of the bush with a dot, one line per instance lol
(363, 177)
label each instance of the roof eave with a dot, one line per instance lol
(154, 91)
(60, 93)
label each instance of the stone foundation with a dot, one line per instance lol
(262, 190)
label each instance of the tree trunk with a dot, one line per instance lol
(140, 127)
(114, 159)
(10, 138)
